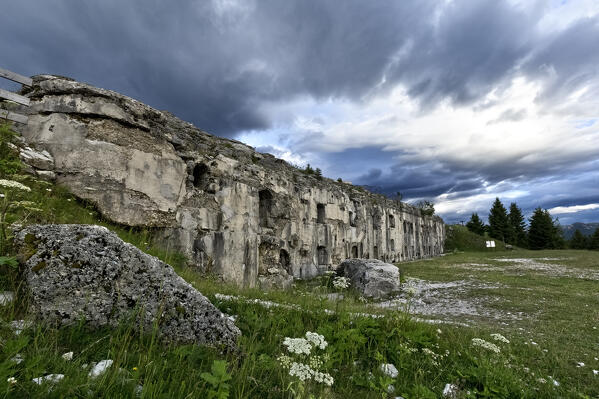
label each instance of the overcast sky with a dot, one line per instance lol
(452, 101)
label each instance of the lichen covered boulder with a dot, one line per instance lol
(83, 272)
(373, 278)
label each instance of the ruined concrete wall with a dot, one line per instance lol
(230, 209)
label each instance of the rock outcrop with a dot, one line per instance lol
(231, 210)
(372, 278)
(76, 272)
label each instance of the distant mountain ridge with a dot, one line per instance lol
(585, 228)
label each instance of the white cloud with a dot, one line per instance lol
(558, 210)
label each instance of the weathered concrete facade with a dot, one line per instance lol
(230, 209)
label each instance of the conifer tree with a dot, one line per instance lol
(594, 240)
(517, 226)
(499, 227)
(578, 241)
(544, 232)
(476, 225)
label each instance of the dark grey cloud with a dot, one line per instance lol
(215, 63)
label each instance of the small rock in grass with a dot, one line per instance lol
(6, 297)
(100, 368)
(450, 391)
(17, 358)
(67, 356)
(390, 370)
(579, 364)
(52, 378)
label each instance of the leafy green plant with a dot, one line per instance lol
(217, 378)
(9, 159)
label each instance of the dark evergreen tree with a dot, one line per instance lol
(499, 227)
(579, 241)
(540, 233)
(559, 242)
(594, 240)
(544, 232)
(318, 173)
(517, 226)
(476, 225)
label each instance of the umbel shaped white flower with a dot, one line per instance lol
(13, 184)
(300, 346)
(485, 344)
(500, 338)
(341, 283)
(304, 366)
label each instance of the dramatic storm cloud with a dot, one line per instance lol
(453, 101)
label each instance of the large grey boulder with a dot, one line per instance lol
(373, 278)
(76, 272)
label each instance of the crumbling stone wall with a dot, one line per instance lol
(230, 209)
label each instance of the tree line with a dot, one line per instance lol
(543, 230)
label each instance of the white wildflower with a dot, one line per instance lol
(323, 378)
(316, 339)
(542, 380)
(49, 190)
(390, 370)
(67, 356)
(595, 372)
(341, 283)
(13, 184)
(485, 344)
(428, 352)
(500, 338)
(315, 362)
(301, 371)
(11, 380)
(285, 361)
(439, 331)
(298, 345)
(555, 382)
(579, 364)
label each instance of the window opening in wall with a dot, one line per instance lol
(352, 220)
(320, 213)
(200, 173)
(265, 206)
(391, 221)
(354, 251)
(375, 252)
(323, 258)
(392, 245)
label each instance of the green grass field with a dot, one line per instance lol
(545, 303)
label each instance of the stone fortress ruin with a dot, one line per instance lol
(247, 216)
